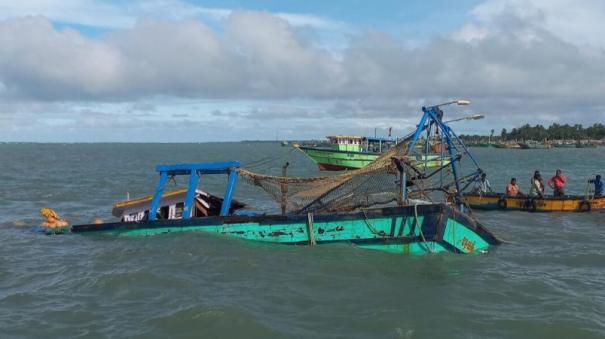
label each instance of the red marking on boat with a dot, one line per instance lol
(330, 167)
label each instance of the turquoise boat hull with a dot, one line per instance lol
(423, 229)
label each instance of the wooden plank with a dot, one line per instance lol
(310, 230)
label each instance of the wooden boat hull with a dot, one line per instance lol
(407, 230)
(547, 204)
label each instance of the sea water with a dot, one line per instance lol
(547, 281)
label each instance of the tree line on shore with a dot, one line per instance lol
(538, 132)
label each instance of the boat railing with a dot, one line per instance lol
(194, 170)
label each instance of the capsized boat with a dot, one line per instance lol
(389, 205)
(411, 229)
(568, 203)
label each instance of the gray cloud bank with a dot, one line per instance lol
(511, 62)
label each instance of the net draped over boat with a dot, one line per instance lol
(375, 184)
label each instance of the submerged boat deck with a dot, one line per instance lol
(408, 229)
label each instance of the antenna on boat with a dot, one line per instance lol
(458, 102)
(470, 117)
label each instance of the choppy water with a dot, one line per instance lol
(549, 282)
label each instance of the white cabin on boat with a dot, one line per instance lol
(171, 206)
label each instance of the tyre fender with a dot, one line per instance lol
(585, 206)
(502, 204)
(530, 205)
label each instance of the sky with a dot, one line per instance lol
(197, 71)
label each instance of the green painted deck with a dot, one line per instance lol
(332, 159)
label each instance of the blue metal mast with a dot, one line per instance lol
(432, 116)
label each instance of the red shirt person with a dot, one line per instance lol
(557, 183)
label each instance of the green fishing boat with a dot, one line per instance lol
(349, 152)
(346, 152)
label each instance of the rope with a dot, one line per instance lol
(367, 222)
(420, 228)
(267, 160)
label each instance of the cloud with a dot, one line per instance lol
(576, 22)
(510, 58)
(260, 56)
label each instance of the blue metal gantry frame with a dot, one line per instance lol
(194, 170)
(433, 116)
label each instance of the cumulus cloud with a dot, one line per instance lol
(578, 22)
(259, 55)
(511, 57)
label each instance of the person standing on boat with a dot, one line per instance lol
(512, 189)
(557, 183)
(598, 185)
(536, 185)
(483, 186)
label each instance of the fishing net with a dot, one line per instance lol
(378, 183)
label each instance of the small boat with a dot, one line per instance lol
(564, 145)
(348, 152)
(530, 144)
(585, 145)
(408, 229)
(507, 145)
(285, 143)
(568, 203)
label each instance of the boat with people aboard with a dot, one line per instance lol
(347, 152)
(386, 205)
(567, 203)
